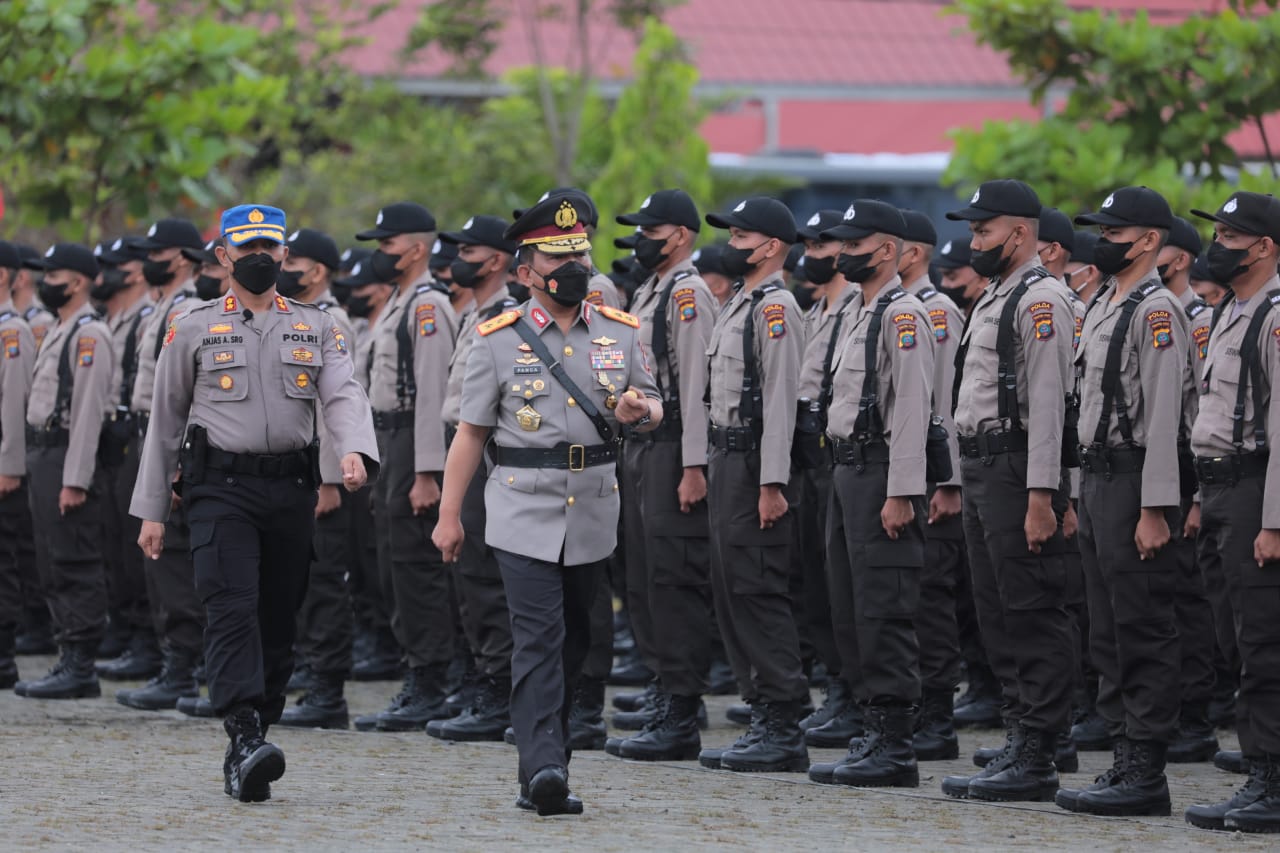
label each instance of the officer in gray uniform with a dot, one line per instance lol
(410, 347)
(17, 361)
(1011, 403)
(1237, 425)
(1131, 365)
(755, 351)
(548, 383)
(70, 394)
(239, 391)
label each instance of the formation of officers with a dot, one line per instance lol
(1045, 476)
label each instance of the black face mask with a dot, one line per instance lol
(735, 260)
(854, 267)
(649, 252)
(1110, 258)
(1224, 264)
(157, 273)
(383, 265)
(957, 296)
(518, 291)
(289, 283)
(208, 287)
(570, 281)
(804, 295)
(257, 273)
(1162, 271)
(54, 296)
(358, 306)
(466, 273)
(111, 284)
(990, 263)
(820, 270)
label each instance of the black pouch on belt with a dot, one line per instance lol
(937, 453)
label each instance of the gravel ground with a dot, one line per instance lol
(94, 774)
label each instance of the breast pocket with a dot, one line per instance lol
(226, 371)
(301, 364)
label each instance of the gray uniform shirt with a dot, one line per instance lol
(471, 317)
(254, 386)
(819, 326)
(167, 310)
(41, 321)
(344, 338)
(540, 512)
(946, 322)
(121, 326)
(602, 291)
(16, 365)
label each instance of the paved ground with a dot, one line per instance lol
(75, 775)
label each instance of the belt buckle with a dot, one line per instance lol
(582, 457)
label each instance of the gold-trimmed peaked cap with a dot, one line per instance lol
(555, 225)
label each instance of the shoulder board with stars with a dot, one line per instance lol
(619, 316)
(488, 327)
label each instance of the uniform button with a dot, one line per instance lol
(572, 402)
(570, 500)
(510, 480)
(568, 350)
(615, 487)
(528, 394)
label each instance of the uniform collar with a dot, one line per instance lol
(889, 286)
(86, 308)
(541, 319)
(918, 285)
(497, 297)
(1247, 308)
(685, 265)
(1010, 281)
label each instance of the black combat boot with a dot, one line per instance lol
(548, 793)
(979, 706)
(640, 718)
(998, 760)
(1196, 739)
(114, 641)
(710, 757)
(1230, 760)
(195, 706)
(636, 700)
(140, 661)
(839, 730)
(890, 762)
(424, 704)
(934, 738)
(630, 671)
(1213, 815)
(672, 736)
(72, 677)
(572, 803)
(176, 681)
(383, 663)
(1066, 797)
(322, 706)
(462, 699)
(1092, 732)
(251, 763)
(587, 729)
(369, 722)
(780, 749)
(1139, 790)
(1263, 814)
(8, 666)
(739, 713)
(838, 698)
(1030, 777)
(299, 679)
(486, 719)
(824, 773)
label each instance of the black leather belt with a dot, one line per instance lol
(987, 444)
(42, 438)
(572, 457)
(1112, 460)
(1229, 470)
(295, 464)
(393, 420)
(733, 439)
(859, 453)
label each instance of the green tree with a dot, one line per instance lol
(1133, 102)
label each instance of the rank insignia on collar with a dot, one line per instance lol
(282, 305)
(229, 304)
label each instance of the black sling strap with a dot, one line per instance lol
(160, 333)
(530, 337)
(751, 403)
(62, 400)
(406, 382)
(129, 362)
(828, 381)
(1112, 393)
(1006, 375)
(661, 345)
(1251, 373)
(869, 426)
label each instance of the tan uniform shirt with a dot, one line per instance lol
(946, 321)
(428, 317)
(16, 365)
(1043, 333)
(1199, 318)
(167, 310)
(41, 321)
(344, 337)
(1152, 367)
(129, 323)
(1212, 434)
(691, 315)
(471, 317)
(542, 512)
(602, 291)
(778, 346)
(92, 363)
(904, 370)
(819, 326)
(254, 386)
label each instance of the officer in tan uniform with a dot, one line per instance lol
(755, 351)
(1131, 363)
(239, 390)
(411, 344)
(879, 418)
(548, 383)
(480, 268)
(1011, 432)
(212, 281)
(70, 394)
(17, 360)
(601, 290)
(1239, 486)
(26, 298)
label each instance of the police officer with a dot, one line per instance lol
(1082, 275)
(410, 347)
(755, 351)
(959, 280)
(69, 396)
(26, 297)
(1193, 614)
(1011, 432)
(552, 502)
(1238, 423)
(212, 281)
(1130, 367)
(664, 483)
(480, 268)
(238, 393)
(878, 422)
(708, 261)
(16, 364)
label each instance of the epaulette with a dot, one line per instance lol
(147, 311)
(619, 316)
(31, 312)
(683, 274)
(5, 316)
(87, 318)
(926, 293)
(770, 287)
(488, 327)
(1195, 309)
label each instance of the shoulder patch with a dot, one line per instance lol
(1161, 328)
(171, 332)
(84, 351)
(904, 323)
(619, 316)
(938, 319)
(9, 340)
(686, 304)
(425, 317)
(339, 339)
(1200, 334)
(506, 318)
(1042, 317)
(775, 319)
